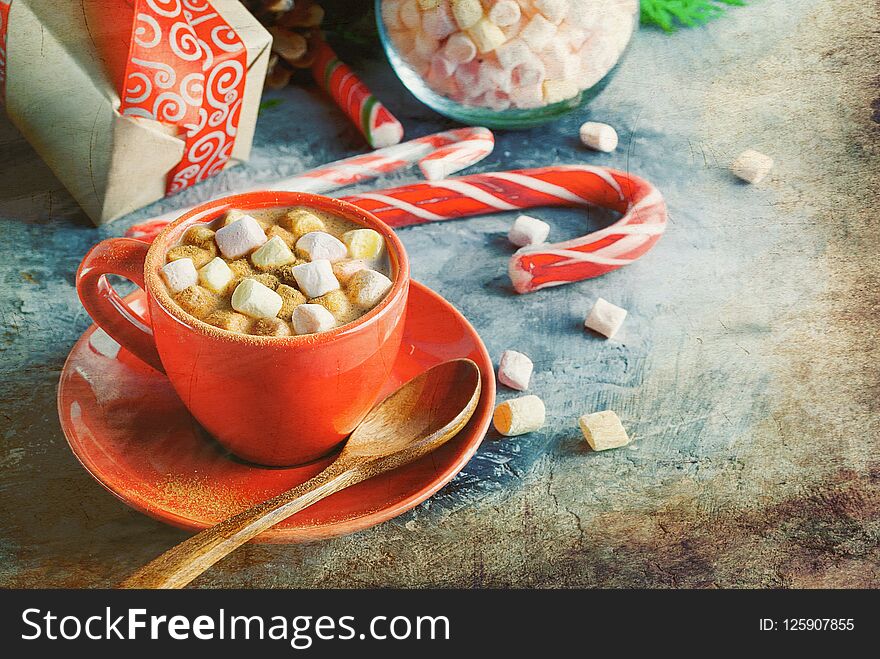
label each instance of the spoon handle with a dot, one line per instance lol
(184, 562)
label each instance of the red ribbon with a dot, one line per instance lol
(185, 67)
(4, 21)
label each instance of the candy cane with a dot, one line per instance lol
(372, 118)
(539, 266)
(438, 155)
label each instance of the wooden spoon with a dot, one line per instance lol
(414, 420)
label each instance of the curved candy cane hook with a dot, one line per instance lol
(534, 267)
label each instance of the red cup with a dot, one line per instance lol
(270, 400)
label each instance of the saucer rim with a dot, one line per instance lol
(329, 529)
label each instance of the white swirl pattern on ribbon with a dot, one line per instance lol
(151, 24)
(205, 104)
(160, 7)
(184, 43)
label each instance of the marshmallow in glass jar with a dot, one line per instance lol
(505, 63)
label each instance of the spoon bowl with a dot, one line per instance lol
(419, 417)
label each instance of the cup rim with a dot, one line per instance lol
(261, 199)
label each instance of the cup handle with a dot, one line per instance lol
(124, 257)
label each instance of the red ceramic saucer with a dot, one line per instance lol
(127, 427)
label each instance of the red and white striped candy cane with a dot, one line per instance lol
(438, 155)
(373, 119)
(539, 266)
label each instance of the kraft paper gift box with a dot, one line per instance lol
(130, 100)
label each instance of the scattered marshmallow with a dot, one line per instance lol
(599, 136)
(240, 238)
(272, 254)
(315, 277)
(467, 12)
(486, 35)
(538, 32)
(312, 318)
(364, 243)
(605, 318)
(317, 245)
(504, 13)
(344, 270)
(528, 230)
(752, 166)
(519, 416)
(180, 274)
(603, 430)
(216, 275)
(515, 370)
(256, 300)
(367, 287)
(459, 48)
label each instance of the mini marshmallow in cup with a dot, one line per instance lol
(240, 238)
(216, 275)
(363, 243)
(319, 245)
(515, 370)
(519, 415)
(256, 300)
(345, 269)
(367, 287)
(599, 136)
(312, 318)
(272, 254)
(180, 274)
(315, 278)
(527, 230)
(605, 318)
(752, 166)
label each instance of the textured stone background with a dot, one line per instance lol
(747, 372)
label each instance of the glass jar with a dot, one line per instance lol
(505, 63)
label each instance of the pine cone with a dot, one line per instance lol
(295, 28)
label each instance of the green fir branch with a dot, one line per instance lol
(668, 15)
